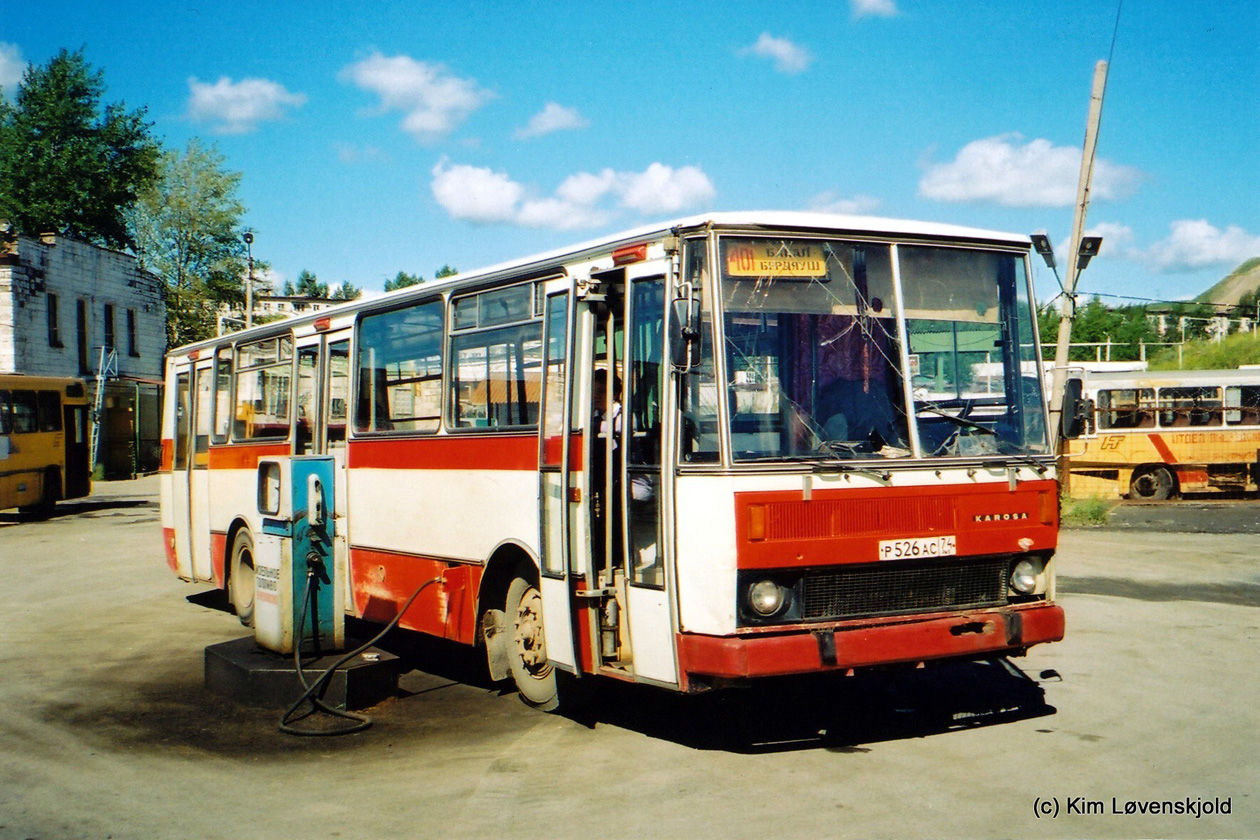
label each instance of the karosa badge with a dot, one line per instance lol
(999, 517)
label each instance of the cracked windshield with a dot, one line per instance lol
(815, 367)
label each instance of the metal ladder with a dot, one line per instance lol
(106, 369)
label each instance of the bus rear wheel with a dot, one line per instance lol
(241, 577)
(532, 672)
(1152, 485)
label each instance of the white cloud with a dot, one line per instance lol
(433, 102)
(1007, 171)
(873, 8)
(787, 56)
(238, 107)
(829, 202)
(483, 196)
(552, 118)
(1194, 244)
(12, 66)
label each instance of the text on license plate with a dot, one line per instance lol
(918, 547)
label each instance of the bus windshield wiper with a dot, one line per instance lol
(954, 418)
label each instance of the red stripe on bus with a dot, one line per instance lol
(382, 581)
(244, 457)
(447, 452)
(1162, 448)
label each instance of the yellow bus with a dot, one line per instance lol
(1154, 435)
(43, 442)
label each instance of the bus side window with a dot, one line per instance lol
(6, 420)
(49, 411)
(25, 413)
(338, 392)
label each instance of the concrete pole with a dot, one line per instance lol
(1078, 230)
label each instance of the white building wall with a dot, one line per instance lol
(35, 272)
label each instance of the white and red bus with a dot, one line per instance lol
(690, 455)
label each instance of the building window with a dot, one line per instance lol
(133, 349)
(54, 327)
(109, 326)
(81, 324)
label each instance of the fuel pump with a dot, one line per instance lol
(299, 584)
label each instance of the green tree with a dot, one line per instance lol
(347, 291)
(67, 164)
(445, 271)
(402, 280)
(187, 230)
(308, 286)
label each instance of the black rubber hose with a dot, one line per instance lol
(312, 690)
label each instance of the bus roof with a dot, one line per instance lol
(744, 220)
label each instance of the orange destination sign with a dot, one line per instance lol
(775, 259)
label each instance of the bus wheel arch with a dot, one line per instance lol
(494, 630)
(1153, 483)
(239, 564)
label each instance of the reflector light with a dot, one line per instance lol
(322, 324)
(630, 254)
(194, 355)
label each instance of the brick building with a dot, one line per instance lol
(61, 301)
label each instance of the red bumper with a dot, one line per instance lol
(834, 647)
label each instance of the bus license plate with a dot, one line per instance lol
(918, 547)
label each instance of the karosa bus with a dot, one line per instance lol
(729, 447)
(43, 442)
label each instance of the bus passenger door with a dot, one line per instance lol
(639, 501)
(200, 415)
(559, 480)
(181, 467)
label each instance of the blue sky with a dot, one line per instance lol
(382, 136)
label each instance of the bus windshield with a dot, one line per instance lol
(815, 362)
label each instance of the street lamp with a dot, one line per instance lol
(249, 280)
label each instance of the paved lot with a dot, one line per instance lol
(106, 730)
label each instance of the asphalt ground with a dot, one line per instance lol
(106, 729)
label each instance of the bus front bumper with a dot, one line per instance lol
(831, 647)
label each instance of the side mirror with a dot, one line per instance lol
(684, 334)
(1075, 410)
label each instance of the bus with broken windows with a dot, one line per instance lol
(1154, 435)
(690, 455)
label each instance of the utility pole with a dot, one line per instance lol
(1078, 230)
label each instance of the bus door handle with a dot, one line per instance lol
(605, 592)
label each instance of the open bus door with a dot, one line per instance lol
(200, 414)
(601, 479)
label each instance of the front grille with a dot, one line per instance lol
(890, 589)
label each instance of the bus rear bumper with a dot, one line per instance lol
(841, 647)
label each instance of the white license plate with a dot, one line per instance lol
(918, 547)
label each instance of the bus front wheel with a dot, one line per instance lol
(1153, 485)
(241, 577)
(532, 672)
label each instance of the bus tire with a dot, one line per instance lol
(49, 495)
(533, 673)
(1153, 484)
(241, 577)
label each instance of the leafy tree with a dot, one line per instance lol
(402, 280)
(347, 291)
(186, 229)
(308, 286)
(445, 271)
(67, 164)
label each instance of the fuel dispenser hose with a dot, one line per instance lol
(312, 690)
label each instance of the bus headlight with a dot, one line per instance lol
(765, 598)
(1026, 575)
